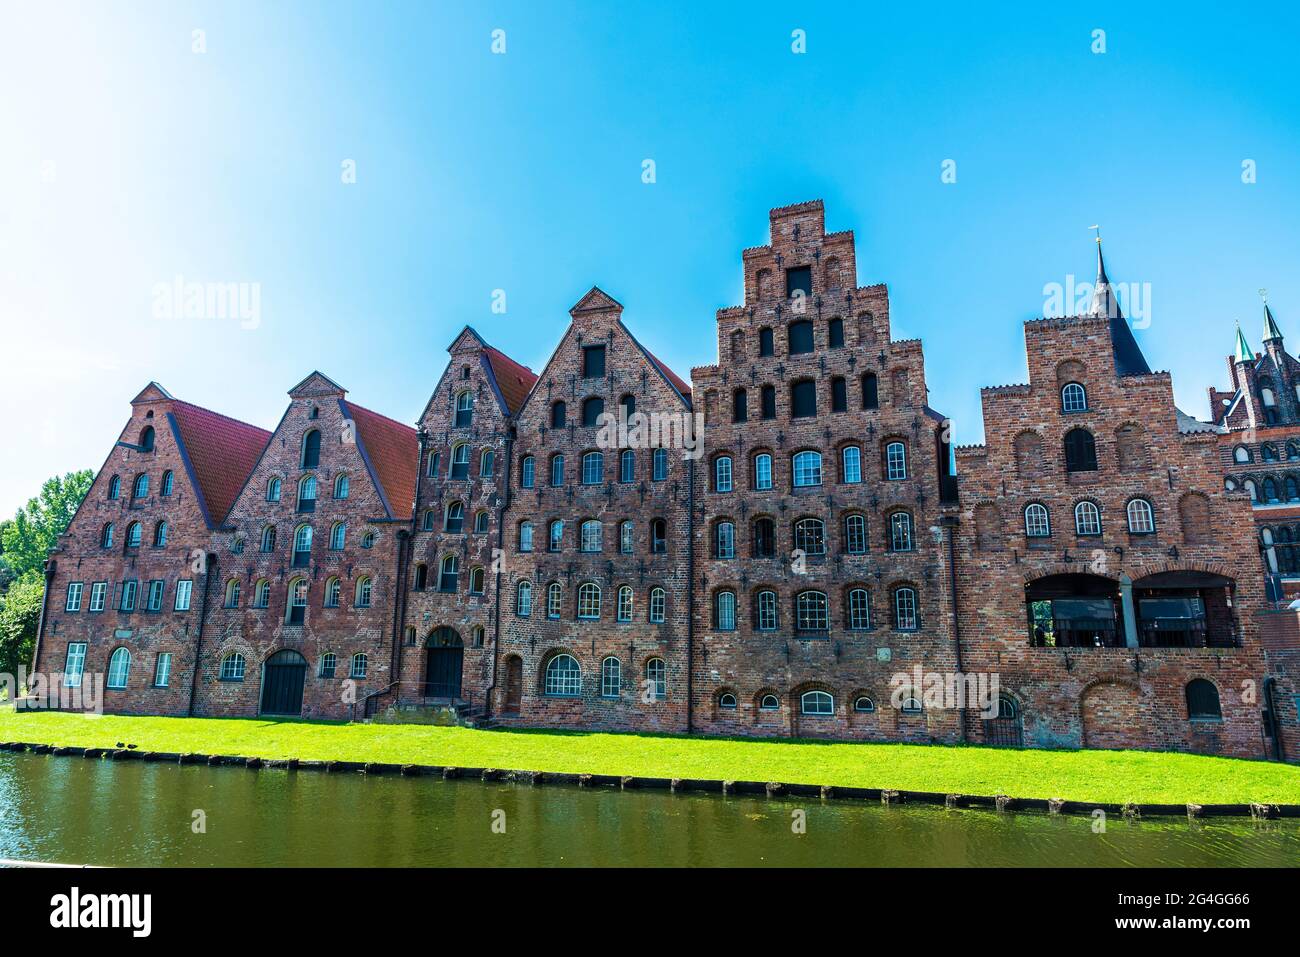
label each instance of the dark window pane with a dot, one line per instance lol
(798, 278)
(839, 395)
(593, 361)
(769, 402)
(765, 342)
(801, 337)
(740, 406)
(803, 399)
(591, 410)
(558, 413)
(836, 333)
(870, 392)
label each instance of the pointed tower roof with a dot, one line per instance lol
(1244, 352)
(1271, 331)
(1128, 356)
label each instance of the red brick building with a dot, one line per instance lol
(781, 547)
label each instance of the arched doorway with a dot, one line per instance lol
(282, 679)
(1006, 730)
(444, 656)
(514, 684)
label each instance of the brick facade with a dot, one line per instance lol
(788, 574)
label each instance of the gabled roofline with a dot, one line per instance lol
(365, 457)
(313, 374)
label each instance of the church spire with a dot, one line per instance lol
(1271, 331)
(1128, 356)
(1104, 304)
(1244, 352)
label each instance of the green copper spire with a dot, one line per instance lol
(1271, 331)
(1244, 352)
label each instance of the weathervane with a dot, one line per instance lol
(1098, 231)
(1263, 294)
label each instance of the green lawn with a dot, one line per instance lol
(1104, 776)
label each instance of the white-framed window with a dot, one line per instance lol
(296, 610)
(563, 677)
(659, 465)
(762, 471)
(725, 540)
(268, 538)
(895, 461)
(365, 590)
(722, 473)
(464, 409)
(133, 535)
(162, 670)
(141, 487)
(905, 609)
(625, 538)
(592, 536)
(855, 534)
(1073, 398)
(1241, 454)
(525, 536)
(554, 599)
(557, 470)
(727, 701)
(338, 536)
(73, 602)
(807, 469)
(184, 588)
(232, 667)
(333, 592)
(160, 535)
(98, 593)
(262, 594)
(851, 464)
(329, 663)
(656, 678)
(811, 611)
(859, 609)
(307, 493)
(766, 605)
(360, 665)
(627, 466)
(524, 599)
(341, 486)
(454, 520)
(449, 574)
(900, 532)
(658, 600)
(593, 468)
(589, 600)
(611, 677)
(527, 472)
(816, 704)
(724, 611)
(769, 702)
(1037, 522)
(154, 598)
(624, 610)
(1087, 519)
(557, 535)
(232, 593)
(1141, 518)
(810, 536)
(74, 665)
(273, 487)
(864, 705)
(487, 463)
(119, 669)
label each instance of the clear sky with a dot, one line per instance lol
(129, 159)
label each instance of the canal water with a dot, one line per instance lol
(75, 810)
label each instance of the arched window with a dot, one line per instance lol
(657, 604)
(905, 617)
(310, 457)
(460, 460)
(851, 464)
(1080, 451)
(556, 539)
(1087, 519)
(724, 540)
(262, 594)
(273, 490)
(1203, 701)
(328, 664)
(911, 705)
(481, 520)
(106, 536)
(722, 473)
(765, 614)
(140, 488)
(368, 540)
(592, 409)
(727, 701)
(168, 482)
(764, 538)
(656, 678)
(1037, 522)
(658, 536)
(115, 487)
(160, 535)
(454, 521)
(296, 612)
(895, 461)
(627, 466)
(341, 486)
(527, 470)
(811, 611)
(232, 593)
(1269, 490)
(119, 667)
(525, 536)
(589, 601)
(810, 536)
(659, 465)
(900, 532)
(807, 469)
(864, 705)
(307, 494)
(855, 534)
(364, 592)
(1073, 398)
(334, 591)
(428, 519)
(563, 678)
(557, 470)
(611, 677)
(593, 468)
(477, 580)
(559, 412)
(1268, 452)
(464, 409)
(449, 574)
(816, 704)
(624, 610)
(524, 599)
(431, 465)
(1241, 454)
(762, 471)
(1141, 519)
(133, 535)
(360, 664)
(232, 667)
(338, 536)
(302, 546)
(147, 438)
(769, 702)
(625, 538)
(554, 598)
(724, 611)
(859, 609)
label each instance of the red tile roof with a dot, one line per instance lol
(514, 380)
(394, 452)
(222, 453)
(682, 385)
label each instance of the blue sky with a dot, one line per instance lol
(130, 159)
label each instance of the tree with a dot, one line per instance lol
(26, 540)
(20, 611)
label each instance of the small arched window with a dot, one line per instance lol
(627, 466)
(593, 468)
(816, 704)
(232, 667)
(140, 489)
(449, 574)
(724, 540)
(524, 599)
(460, 460)
(262, 594)
(858, 609)
(115, 487)
(905, 616)
(810, 536)
(1141, 518)
(431, 465)
(147, 438)
(273, 490)
(765, 610)
(554, 599)
(341, 486)
(563, 678)
(1080, 451)
(656, 678)
(900, 532)
(268, 539)
(334, 592)
(1074, 398)
(328, 664)
(727, 701)
(481, 520)
(168, 483)
(658, 536)
(762, 471)
(724, 611)
(769, 702)
(624, 610)
(1037, 522)
(525, 536)
(232, 593)
(106, 536)
(464, 409)
(557, 470)
(487, 463)
(807, 468)
(851, 465)
(659, 465)
(657, 606)
(1268, 452)
(527, 472)
(119, 668)
(160, 535)
(589, 601)
(590, 538)
(611, 677)
(307, 494)
(454, 521)
(864, 705)
(722, 473)
(1241, 454)
(855, 534)
(360, 665)
(133, 535)
(1203, 701)
(338, 536)
(310, 457)
(296, 612)
(895, 461)
(302, 538)
(811, 611)
(1087, 519)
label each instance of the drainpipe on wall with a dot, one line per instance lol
(501, 551)
(50, 565)
(950, 522)
(405, 543)
(210, 565)
(690, 601)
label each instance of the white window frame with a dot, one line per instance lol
(74, 664)
(184, 592)
(73, 601)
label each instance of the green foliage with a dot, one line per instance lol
(20, 611)
(27, 538)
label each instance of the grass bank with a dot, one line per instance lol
(1102, 776)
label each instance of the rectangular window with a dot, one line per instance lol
(852, 458)
(722, 474)
(740, 406)
(74, 597)
(762, 472)
(767, 611)
(625, 538)
(527, 478)
(625, 604)
(553, 599)
(839, 395)
(593, 362)
(75, 664)
(129, 590)
(156, 595)
(183, 589)
(765, 342)
(800, 279)
(162, 671)
(98, 591)
(768, 397)
(557, 470)
(803, 399)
